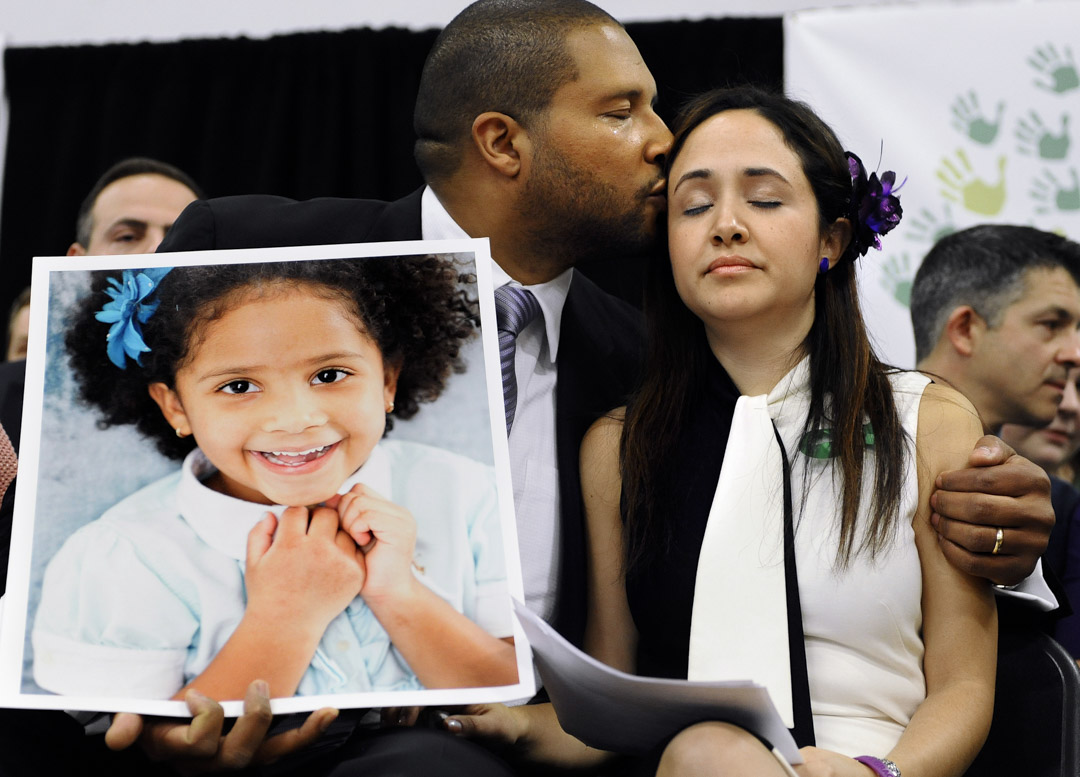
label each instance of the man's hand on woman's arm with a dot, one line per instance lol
(999, 490)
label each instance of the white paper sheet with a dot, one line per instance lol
(624, 713)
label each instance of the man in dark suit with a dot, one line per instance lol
(552, 180)
(556, 161)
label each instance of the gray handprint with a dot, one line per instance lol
(1061, 71)
(928, 227)
(1051, 194)
(898, 278)
(1035, 137)
(968, 118)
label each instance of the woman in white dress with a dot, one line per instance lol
(770, 462)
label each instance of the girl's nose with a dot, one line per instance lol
(294, 411)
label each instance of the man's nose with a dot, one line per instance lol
(659, 144)
(154, 236)
(1070, 400)
(1070, 351)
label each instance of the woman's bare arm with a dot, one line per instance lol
(959, 614)
(532, 730)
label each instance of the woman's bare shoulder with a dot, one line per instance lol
(606, 428)
(600, 446)
(948, 422)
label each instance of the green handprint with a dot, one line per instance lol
(929, 228)
(968, 119)
(977, 195)
(1034, 132)
(1046, 188)
(898, 278)
(1062, 72)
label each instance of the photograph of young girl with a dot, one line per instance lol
(285, 533)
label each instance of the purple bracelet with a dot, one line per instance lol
(882, 767)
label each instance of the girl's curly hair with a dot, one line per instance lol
(413, 307)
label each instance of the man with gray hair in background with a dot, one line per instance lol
(996, 313)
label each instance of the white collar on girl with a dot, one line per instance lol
(223, 522)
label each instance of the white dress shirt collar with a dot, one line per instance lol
(436, 224)
(223, 522)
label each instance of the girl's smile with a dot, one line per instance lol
(294, 459)
(284, 393)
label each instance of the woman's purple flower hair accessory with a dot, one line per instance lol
(875, 208)
(128, 311)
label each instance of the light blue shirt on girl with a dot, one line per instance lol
(137, 603)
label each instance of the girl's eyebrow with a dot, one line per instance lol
(749, 172)
(247, 369)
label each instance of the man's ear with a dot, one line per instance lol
(169, 402)
(501, 141)
(76, 249)
(963, 329)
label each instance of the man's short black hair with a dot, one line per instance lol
(497, 55)
(984, 267)
(125, 168)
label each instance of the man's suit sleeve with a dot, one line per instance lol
(266, 221)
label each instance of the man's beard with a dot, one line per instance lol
(569, 216)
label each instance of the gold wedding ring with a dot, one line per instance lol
(998, 541)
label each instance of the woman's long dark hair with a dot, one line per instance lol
(848, 384)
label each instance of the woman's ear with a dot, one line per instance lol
(501, 142)
(169, 402)
(835, 240)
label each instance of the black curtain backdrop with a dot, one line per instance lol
(306, 115)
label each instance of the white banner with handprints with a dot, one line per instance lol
(976, 105)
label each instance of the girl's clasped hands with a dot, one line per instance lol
(308, 565)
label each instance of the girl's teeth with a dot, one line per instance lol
(299, 453)
(295, 458)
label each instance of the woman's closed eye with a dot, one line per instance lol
(697, 210)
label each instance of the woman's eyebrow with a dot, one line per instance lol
(692, 174)
(749, 172)
(758, 172)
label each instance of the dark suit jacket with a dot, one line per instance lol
(599, 347)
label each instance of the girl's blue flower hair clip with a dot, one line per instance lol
(128, 311)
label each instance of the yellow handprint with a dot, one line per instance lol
(974, 193)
